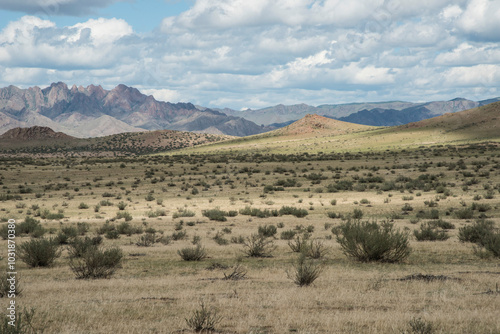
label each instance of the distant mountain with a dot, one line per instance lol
(378, 113)
(94, 111)
(314, 134)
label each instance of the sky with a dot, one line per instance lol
(253, 54)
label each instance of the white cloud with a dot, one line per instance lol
(55, 7)
(481, 20)
(33, 42)
(102, 31)
(236, 53)
(167, 95)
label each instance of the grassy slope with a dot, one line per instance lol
(470, 126)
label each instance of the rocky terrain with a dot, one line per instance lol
(93, 112)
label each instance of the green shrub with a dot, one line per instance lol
(197, 253)
(6, 288)
(183, 213)
(218, 215)
(477, 232)
(429, 232)
(492, 244)
(290, 210)
(357, 214)
(305, 272)
(369, 241)
(258, 246)
(124, 214)
(287, 235)
(465, 213)
(96, 262)
(39, 252)
(28, 226)
(22, 324)
(220, 240)
(254, 212)
(79, 246)
(267, 230)
(179, 235)
(430, 214)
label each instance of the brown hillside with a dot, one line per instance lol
(313, 124)
(33, 133)
(483, 121)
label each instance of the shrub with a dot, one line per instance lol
(183, 213)
(7, 288)
(122, 205)
(127, 229)
(305, 272)
(419, 326)
(179, 235)
(39, 252)
(197, 253)
(299, 243)
(492, 244)
(315, 249)
(367, 241)
(96, 262)
(290, 210)
(83, 206)
(443, 224)
(477, 232)
(287, 235)
(429, 232)
(22, 324)
(465, 213)
(148, 239)
(357, 214)
(217, 214)
(267, 230)
(203, 319)
(220, 240)
(28, 226)
(79, 246)
(124, 214)
(258, 246)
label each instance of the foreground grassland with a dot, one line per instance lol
(444, 286)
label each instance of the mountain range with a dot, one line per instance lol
(377, 113)
(92, 111)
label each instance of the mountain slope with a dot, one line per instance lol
(43, 140)
(313, 134)
(94, 111)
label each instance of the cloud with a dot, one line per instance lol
(235, 53)
(55, 7)
(481, 20)
(33, 42)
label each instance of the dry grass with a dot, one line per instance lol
(155, 290)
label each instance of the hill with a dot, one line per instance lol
(43, 140)
(314, 134)
(34, 133)
(93, 111)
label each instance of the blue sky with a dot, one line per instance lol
(253, 54)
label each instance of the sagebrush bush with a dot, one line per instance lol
(305, 272)
(258, 246)
(492, 244)
(429, 232)
(39, 252)
(5, 286)
(369, 241)
(290, 210)
(287, 235)
(197, 253)
(96, 262)
(79, 246)
(477, 232)
(299, 243)
(203, 319)
(267, 230)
